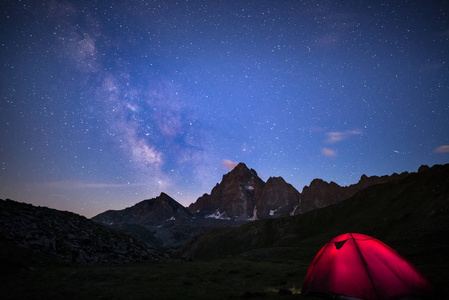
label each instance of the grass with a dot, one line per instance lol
(225, 278)
(230, 278)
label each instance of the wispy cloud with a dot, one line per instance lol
(229, 164)
(338, 136)
(442, 149)
(328, 152)
(88, 185)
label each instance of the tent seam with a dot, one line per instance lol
(365, 265)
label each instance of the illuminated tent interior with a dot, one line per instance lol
(354, 265)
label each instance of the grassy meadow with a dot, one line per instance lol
(230, 278)
(236, 277)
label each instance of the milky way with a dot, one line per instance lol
(107, 103)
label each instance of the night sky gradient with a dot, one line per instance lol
(107, 103)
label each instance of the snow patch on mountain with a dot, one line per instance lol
(219, 216)
(294, 209)
(254, 217)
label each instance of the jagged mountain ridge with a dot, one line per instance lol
(321, 194)
(240, 197)
(159, 222)
(243, 195)
(148, 212)
(234, 196)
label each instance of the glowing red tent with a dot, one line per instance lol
(359, 266)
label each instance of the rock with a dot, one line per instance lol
(423, 168)
(234, 195)
(148, 212)
(321, 194)
(278, 198)
(159, 222)
(243, 195)
(68, 236)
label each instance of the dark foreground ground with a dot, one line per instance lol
(219, 279)
(27, 276)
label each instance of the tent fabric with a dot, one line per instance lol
(359, 266)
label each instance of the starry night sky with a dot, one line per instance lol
(107, 103)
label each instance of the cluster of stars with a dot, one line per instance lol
(104, 104)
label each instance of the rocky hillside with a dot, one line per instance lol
(68, 236)
(321, 193)
(410, 214)
(160, 222)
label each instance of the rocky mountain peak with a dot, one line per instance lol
(240, 167)
(243, 195)
(241, 173)
(278, 198)
(272, 180)
(423, 168)
(164, 196)
(234, 195)
(148, 212)
(320, 184)
(165, 200)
